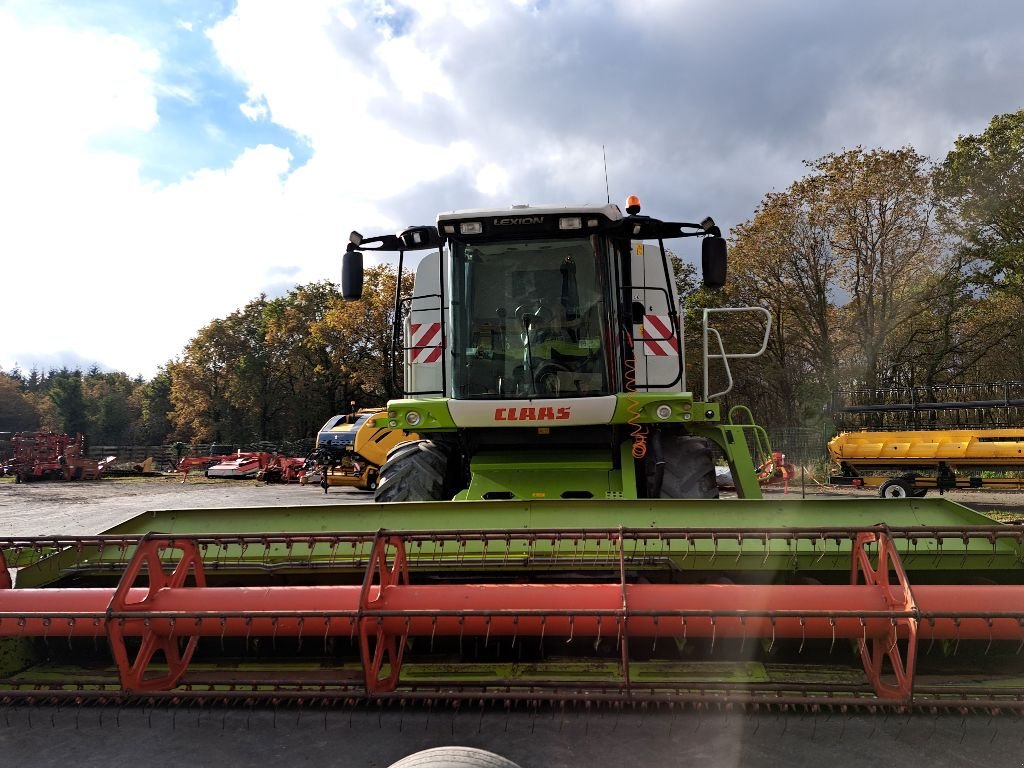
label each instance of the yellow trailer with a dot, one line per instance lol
(916, 461)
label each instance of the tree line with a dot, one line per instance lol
(881, 268)
(274, 370)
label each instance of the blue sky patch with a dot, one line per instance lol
(395, 18)
(200, 123)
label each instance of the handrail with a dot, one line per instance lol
(726, 356)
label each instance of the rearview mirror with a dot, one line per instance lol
(352, 274)
(713, 261)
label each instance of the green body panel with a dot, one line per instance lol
(537, 474)
(755, 556)
(543, 475)
(732, 440)
(433, 413)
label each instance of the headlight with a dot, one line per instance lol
(663, 411)
(413, 417)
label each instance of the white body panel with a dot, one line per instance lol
(533, 413)
(423, 354)
(240, 467)
(657, 347)
(610, 210)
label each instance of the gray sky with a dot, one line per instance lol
(166, 162)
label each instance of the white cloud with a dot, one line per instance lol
(63, 86)
(492, 180)
(462, 103)
(414, 71)
(255, 109)
(132, 269)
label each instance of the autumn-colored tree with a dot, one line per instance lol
(877, 208)
(317, 383)
(278, 369)
(17, 412)
(783, 260)
(844, 259)
(362, 333)
(199, 382)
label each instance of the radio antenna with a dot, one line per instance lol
(606, 190)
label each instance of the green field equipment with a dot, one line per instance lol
(546, 533)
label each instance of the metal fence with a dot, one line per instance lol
(165, 456)
(945, 406)
(802, 445)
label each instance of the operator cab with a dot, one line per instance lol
(529, 302)
(536, 308)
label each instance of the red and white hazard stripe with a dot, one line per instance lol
(658, 337)
(426, 342)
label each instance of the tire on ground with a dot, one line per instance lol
(896, 488)
(414, 471)
(454, 757)
(689, 468)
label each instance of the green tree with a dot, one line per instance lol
(110, 410)
(152, 401)
(64, 391)
(980, 186)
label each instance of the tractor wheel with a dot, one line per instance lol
(897, 488)
(689, 468)
(414, 471)
(454, 757)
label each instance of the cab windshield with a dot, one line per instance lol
(529, 319)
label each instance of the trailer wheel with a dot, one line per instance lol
(454, 757)
(897, 488)
(689, 471)
(414, 471)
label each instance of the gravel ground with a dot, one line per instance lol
(29, 509)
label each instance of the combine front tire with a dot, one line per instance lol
(689, 469)
(454, 757)
(414, 471)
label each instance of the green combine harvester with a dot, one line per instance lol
(550, 533)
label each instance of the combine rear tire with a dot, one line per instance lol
(689, 471)
(414, 471)
(454, 757)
